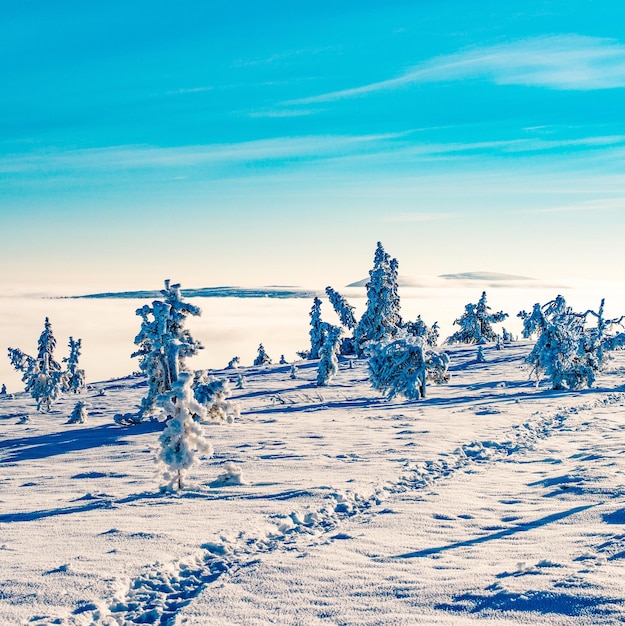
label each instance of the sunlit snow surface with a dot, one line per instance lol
(489, 500)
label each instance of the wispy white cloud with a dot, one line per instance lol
(139, 156)
(564, 62)
(358, 151)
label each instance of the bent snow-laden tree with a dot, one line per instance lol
(42, 374)
(402, 366)
(381, 319)
(567, 351)
(476, 323)
(343, 308)
(164, 345)
(73, 379)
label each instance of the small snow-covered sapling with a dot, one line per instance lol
(262, 358)
(79, 413)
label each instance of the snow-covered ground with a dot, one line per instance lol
(490, 500)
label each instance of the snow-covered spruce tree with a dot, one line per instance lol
(73, 378)
(233, 363)
(182, 441)
(480, 358)
(213, 394)
(3, 390)
(79, 413)
(381, 319)
(283, 360)
(397, 367)
(317, 329)
(507, 336)
(566, 351)
(476, 323)
(164, 345)
(404, 365)
(42, 374)
(262, 358)
(328, 363)
(420, 329)
(436, 366)
(343, 309)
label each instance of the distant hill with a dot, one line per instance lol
(494, 276)
(403, 281)
(215, 292)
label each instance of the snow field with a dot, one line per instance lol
(489, 500)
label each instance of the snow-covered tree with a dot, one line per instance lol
(213, 394)
(480, 358)
(343, 309)
(328, 363)
(404, 365)
(262, 358)
(283, 361)
(41, 374)
(420, 329)
(293, 373)
(79, 413)
(73, 378)
(183, 440)
(476, 323)
(381, 319)
(233, 363)
(436, 366)
(397, 367)
(318, 329)
(567, 351)
(3, 391)
(507, 336)
(164, 345)
(240, 383)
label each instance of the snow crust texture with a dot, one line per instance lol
(491, 500)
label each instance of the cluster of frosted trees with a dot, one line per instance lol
(401, 355)
(568, 350)
(570, 347)
(44, 377)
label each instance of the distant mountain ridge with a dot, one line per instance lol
(213, 292)
(402, 281)
(483, 276)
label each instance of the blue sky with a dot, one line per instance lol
(276, 142)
